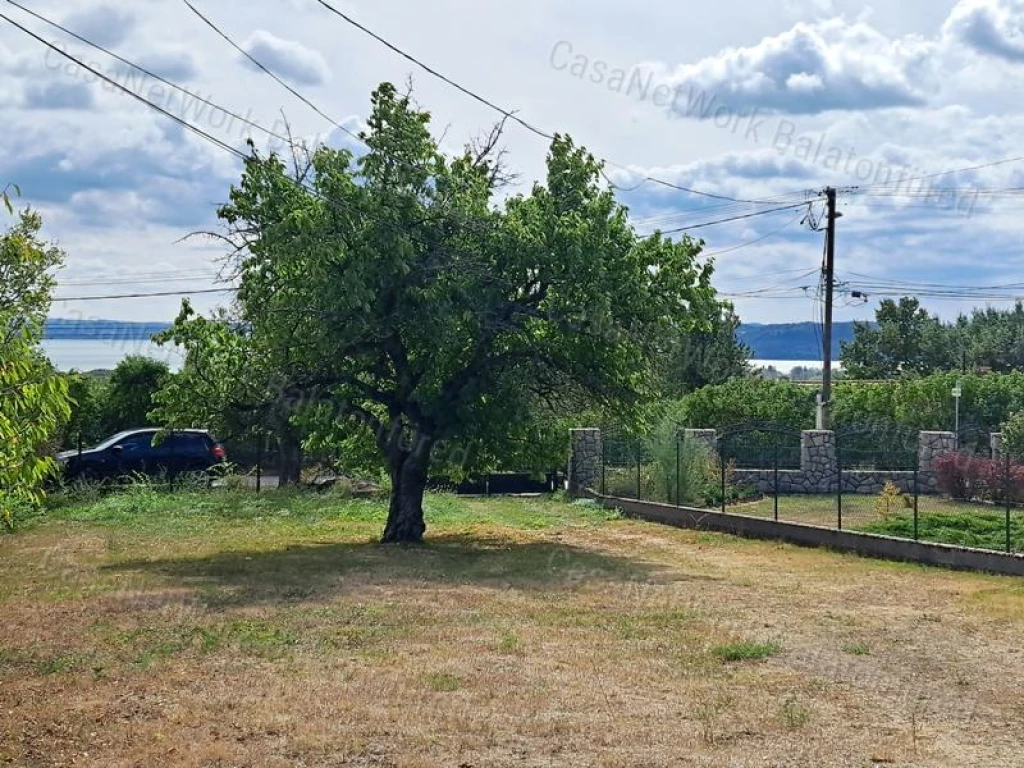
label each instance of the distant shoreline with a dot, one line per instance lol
(782, 342)
(61, 329)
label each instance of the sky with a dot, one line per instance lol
(754, 101)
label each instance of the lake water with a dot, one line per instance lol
(86, 355)
(785, 366)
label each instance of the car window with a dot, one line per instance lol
(186, 444)
(137, 443)
(194, 444)
(110, 441)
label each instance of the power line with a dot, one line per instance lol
(887, 282)
(720, 209)
(883, 185)
(131, 279)
(263, 68)
(144, 295)
(184, 123)
(220, 144)
(730, 219)
(256, 62)
(779, 287)
(236, 152)
(134, 281)
(761, 239)
(511, 115)
(149, 73)
(366, 30)
(762, 275)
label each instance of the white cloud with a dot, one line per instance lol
(993, 27)
(176, 65)
(287, 58)
(58, 96)
(106, 25)
(812, 68)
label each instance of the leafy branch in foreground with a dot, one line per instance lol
(33, 396)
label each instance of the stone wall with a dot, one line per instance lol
(791, 481)
(796, 481)
(585, 461)
(818, 460)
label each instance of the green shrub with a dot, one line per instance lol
(748, 400)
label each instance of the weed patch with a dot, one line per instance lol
(746, 651)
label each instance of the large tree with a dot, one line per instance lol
(904, 340)
(33, 396)
(395, 290)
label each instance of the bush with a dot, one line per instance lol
(965, 477)
(953, 474)
(746, 400)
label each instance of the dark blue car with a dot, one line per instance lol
(133, 452)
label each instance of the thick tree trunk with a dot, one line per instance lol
(408, 482)
(290, 458)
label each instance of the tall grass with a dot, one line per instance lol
(681, 471)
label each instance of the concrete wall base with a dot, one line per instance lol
(866, 544)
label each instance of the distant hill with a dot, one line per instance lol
(101, 330)
(794, 341)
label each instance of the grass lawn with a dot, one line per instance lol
(939, 520)
(225, 629)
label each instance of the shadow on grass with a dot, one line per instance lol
(318, 572)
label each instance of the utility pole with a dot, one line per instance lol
(830, 265)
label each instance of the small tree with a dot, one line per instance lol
(33, 396)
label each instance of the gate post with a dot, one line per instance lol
(585, 462)
(706, 437)
(997, 444)
(930, 446)
(818, 460)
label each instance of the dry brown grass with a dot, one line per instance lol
(495, 645)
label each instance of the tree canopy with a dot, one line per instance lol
(905, 340)
(397, 292)
(703, 357)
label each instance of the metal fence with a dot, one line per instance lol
(860, 478)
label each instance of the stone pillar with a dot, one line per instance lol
(585, 461)
(706, 437)
(818, 460)
(931, 445)
(998, 451)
